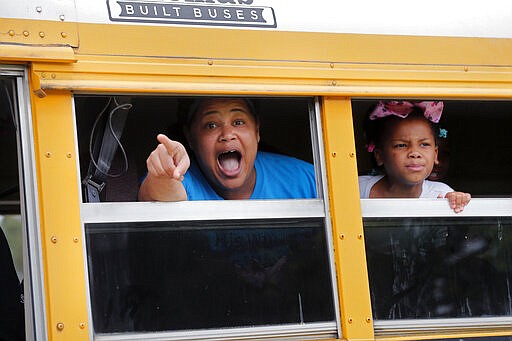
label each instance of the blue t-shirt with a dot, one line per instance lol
(277, 177)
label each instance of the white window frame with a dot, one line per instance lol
(109, 212)
(33, 271)
(407, 208)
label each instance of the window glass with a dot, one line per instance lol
(488, 338)
(439, 267)
(195, 275)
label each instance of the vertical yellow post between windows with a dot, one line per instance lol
(59, 206)
(348, 237)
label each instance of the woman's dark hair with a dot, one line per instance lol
(187, 115)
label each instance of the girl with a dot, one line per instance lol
(402, 137)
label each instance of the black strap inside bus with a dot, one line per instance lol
(103, 147)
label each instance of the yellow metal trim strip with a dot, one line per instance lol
(26, 53)
(278, 89)
(442, 336)
(146, 75)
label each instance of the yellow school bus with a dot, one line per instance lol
(86, 86)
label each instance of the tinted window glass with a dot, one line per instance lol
(188, 275)
(439, 267)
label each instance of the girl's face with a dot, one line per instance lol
(408, 151)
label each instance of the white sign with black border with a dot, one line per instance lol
(207, 12)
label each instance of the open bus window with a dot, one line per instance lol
(116, 135)
(433, 266)
(9, 182)
(475, 138)
(11, 241)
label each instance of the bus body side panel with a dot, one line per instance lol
(162, 59)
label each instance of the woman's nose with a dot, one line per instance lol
(227, 133)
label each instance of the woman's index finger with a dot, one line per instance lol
(169, 144)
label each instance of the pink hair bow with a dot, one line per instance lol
(431, 109)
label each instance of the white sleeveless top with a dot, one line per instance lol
(430, 189)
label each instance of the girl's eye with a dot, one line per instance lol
(425, 144)
(210, 125)
(238, 122)
(400, 145)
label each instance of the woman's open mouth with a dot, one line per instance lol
(229, 162)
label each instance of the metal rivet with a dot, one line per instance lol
(368, 320)
(334, 82)
(53, 76)
(63, 34)
(466, 69)
(342, 236)
(359, 236)
(60, 326)
(333, 154)
(210, 62)
(43, 75)
(350, 320)
(68, 155)
(54, 239)
(82, 325)
(41, 34)
(26, 33)
(351, 154)
(62, 17)
(75, 239)
(11, 33)
(48, 154)
(39, 9)
(332, 65)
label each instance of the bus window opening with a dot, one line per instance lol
(11, 241)
(439, 267)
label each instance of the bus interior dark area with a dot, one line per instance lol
(478, 136)
(11, 240)
(284, 128)
(9, 178)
